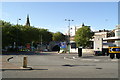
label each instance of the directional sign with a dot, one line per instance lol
(114, 49)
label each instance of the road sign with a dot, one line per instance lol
(114, 49)
(63, 45)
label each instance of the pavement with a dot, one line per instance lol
(6, 65)
(62, 66)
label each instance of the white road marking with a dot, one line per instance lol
(75, 58)
(68, 58)
(96, 60)
(114, 60)
(87, 59)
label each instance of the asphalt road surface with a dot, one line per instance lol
(62, 66)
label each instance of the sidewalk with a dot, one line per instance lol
(5, 65)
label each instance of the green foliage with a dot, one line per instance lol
(58, 36)
(23, 34)
(6, 36)
(83, 35)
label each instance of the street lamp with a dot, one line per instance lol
(18, 20)
(17, 33)
(69, 32)
(40, 37)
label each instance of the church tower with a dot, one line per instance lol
(83, 24)
(28, 21)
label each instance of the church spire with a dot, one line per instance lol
(83, 24)
(28, 21)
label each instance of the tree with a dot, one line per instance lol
(45, 36)
(58, 36)
(6, 33)
(21, 35)
(83, 35)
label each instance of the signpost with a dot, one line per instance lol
(113, 51)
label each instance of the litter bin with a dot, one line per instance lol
(79, 52)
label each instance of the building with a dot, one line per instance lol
(73, 47)
(98, 38)
(106, 38)
(116, 38)
(73, 30)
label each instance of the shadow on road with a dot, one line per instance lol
(24, 53)
(76, 65)
(20, 69)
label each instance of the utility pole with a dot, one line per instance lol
(41, 41)
(69, 32)
(17, 34)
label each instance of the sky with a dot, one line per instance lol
(52, 15)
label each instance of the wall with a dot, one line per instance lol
(117, 34)
(98, 40)
(84, 51)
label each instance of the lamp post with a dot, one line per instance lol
(17, 33)
(69, 32)
(18, 20)
(41, 42)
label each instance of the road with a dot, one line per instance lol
(63, 66)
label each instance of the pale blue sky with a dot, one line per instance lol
(52, 15)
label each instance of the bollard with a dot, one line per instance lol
(79, 52)
(25, 62)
